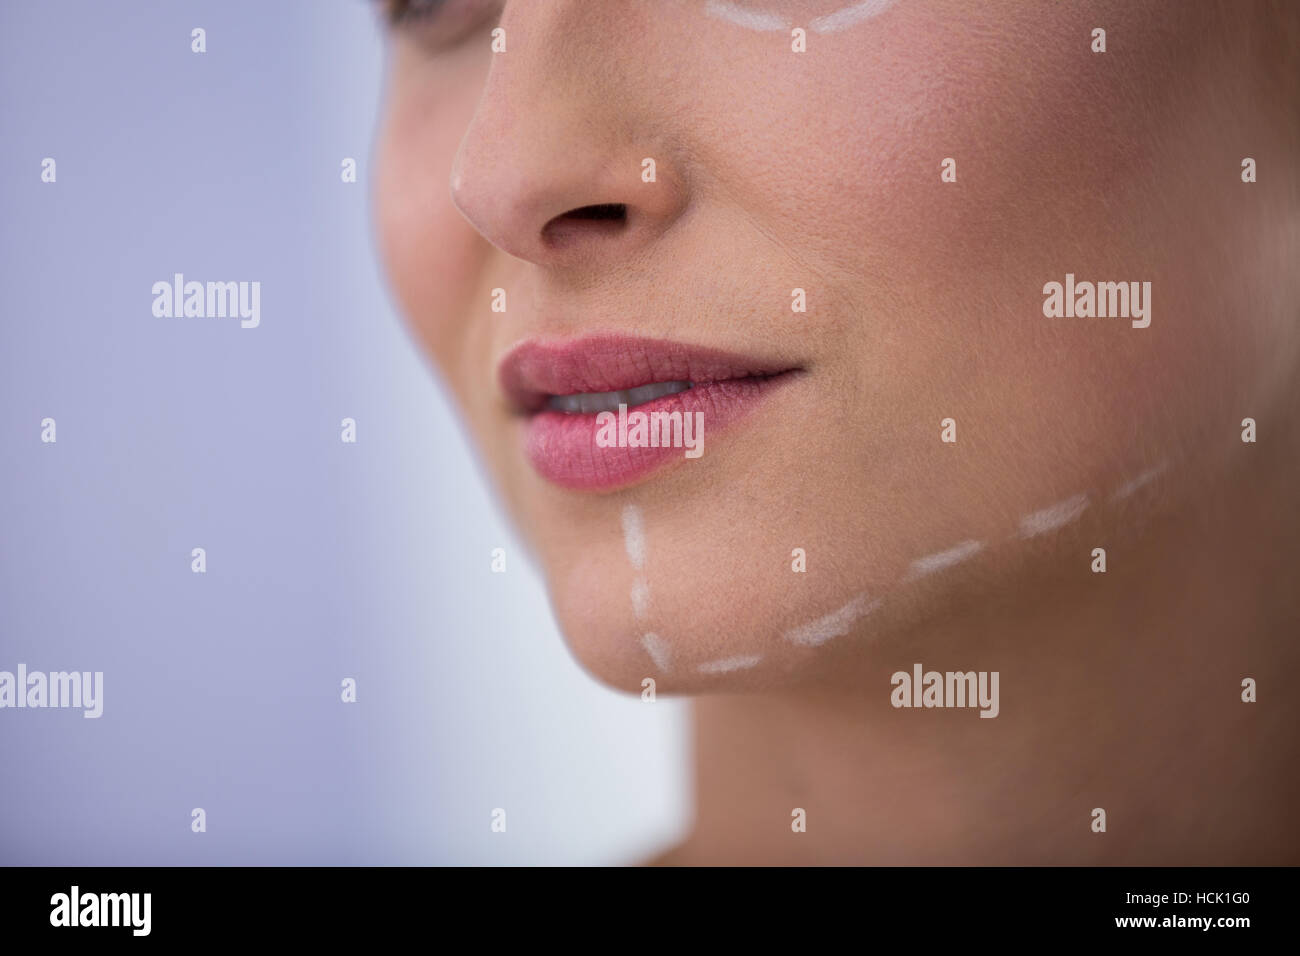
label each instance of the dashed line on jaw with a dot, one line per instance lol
(1053, 516)
(640, 598)
(634, 542)
(658, 650)
(835, 624)
(728, 664)
(838, 622)
(634, 536)
(943, 559)
(1129, 487)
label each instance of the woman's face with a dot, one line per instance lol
(826, 512)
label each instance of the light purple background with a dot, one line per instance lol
(325, 560)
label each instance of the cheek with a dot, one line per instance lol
(937, 286)
(842, 147)
(432, 255)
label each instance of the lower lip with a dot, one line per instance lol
(562, 447)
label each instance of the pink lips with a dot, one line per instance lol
(562, 446)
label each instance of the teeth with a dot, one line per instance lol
(589, 403)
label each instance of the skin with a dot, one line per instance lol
(820, 171)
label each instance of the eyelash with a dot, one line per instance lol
(440, 26)
(401, 12)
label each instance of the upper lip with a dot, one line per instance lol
(608, 362)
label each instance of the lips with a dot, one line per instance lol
(561, 389)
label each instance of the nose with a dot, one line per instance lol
(566, 159)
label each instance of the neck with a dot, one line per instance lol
(1123, 694)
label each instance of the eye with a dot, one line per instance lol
(399, 12)
(439, 24)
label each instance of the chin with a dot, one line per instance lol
(694, 622)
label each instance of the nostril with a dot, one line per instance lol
(600, 219)
(609, 210)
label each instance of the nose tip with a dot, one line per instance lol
(549, 215)
(561, 191)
